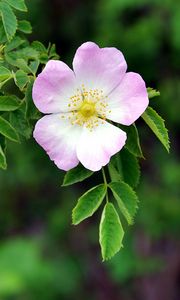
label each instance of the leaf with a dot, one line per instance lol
(17, 4)
(114, 174)
(152, 93)
(43, 53)
(8, 131)
(34, 66)
(3, 164)
(9, 20)
(3, 38)
(76, 174)
(9, 103)
(14, 43)
(21, 79)
(31, 110)
(25, 26)
(88, 203)
(3, 142)
(20, 63)
(4, 74)
(110, 232)
(20, 123)
(157, 125)
(133, 142)
(126, 199)
(52, 52)
(38, 46)
(130, 168)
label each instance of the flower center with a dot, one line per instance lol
(87, 109)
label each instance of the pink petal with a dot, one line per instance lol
(95, 148)
(101, 68)
(58, 138)
(129, 100)
(53, 87)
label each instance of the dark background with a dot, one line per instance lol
(42, 256)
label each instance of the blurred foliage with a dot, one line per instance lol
(41, 255)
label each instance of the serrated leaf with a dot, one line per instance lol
(157, 125)
(3, 37)
(21, 58)
(9, 20)
(88, 203)
(4, 74)
(133, 142)
(19, 63)
(3, 142)
(28, 53)
(9, 103)
(130, 168)
(114, 174)
(3, 164)
(52, 52)
(14, 43)
(152, 93)
(31, 110)
(8, 131)
(20, 123)
(17, 4)
(25, 26)
(76, 174)
(34, 66)
(110, 232)
(38, 46)
(126, 199)
(21, 79)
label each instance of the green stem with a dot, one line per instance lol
(105, 182)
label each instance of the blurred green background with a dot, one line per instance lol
(41, 255)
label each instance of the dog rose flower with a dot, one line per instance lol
(80, 105)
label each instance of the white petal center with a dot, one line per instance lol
(89, 107)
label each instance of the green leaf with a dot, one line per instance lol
(3, 164)
(25, 26)
(3, 38)
(21, 79)
(88, 203)
(75, 175)
(133, 142)
(14, 43)
(31, 110)
(126, 199)
(38, 46)
(34, 66)
(157, 125)
(20, 123)
(17, 4)
(52, 52)
(130, 168)
(9, 20)
(5, 75)
(3, 142)
(21, 58)
(110, 232)
(9, 103)
(114, 174)
(152, 93)
(8, 131)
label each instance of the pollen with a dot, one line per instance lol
(88, 107)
